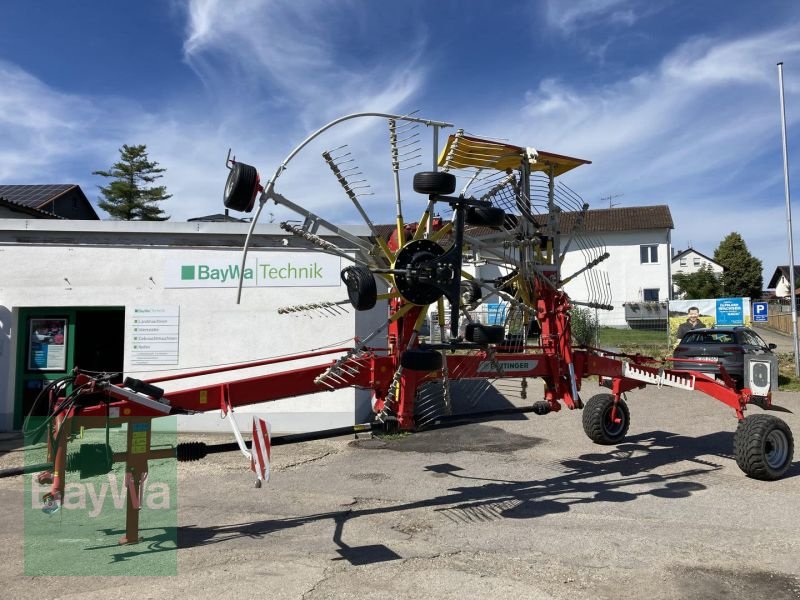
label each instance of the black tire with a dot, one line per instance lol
(484, 334)
(421, 360)
(361, 288)
(434, 182)
(763, 446)
(597, 420)
(470, 292)
(485, 216)
(241, 187)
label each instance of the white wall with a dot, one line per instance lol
(71, 271)
(627, 276)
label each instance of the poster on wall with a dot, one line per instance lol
(47, 344)
(153, 335)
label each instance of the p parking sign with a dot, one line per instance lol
(760, 312)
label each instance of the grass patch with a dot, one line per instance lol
(787, 381)
(613, 337)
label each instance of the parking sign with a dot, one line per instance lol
(760, 312)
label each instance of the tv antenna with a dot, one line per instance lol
(610, 198)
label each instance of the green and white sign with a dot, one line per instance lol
(263, 269)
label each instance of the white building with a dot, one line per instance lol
(691, 261)
(638, 240)
(75, 293)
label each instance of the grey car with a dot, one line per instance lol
(719, 346)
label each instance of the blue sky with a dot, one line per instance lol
(673, 102)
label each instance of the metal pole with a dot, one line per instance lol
(788, 220)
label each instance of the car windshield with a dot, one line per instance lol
(709, 337)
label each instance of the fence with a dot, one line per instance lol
(779, 316)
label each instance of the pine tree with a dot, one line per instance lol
(127, 197)
(742, 276)
(699, 285)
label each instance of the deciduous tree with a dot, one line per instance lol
(742, 276)
(698, 285)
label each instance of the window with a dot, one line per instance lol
(650, 295)
(683, 262)
(648, 254)
(696, 261)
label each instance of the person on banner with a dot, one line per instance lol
(692, 323)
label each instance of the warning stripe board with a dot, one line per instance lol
(261, 449)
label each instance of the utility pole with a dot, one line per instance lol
(788, 220)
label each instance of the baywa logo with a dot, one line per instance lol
(74, 529)
(264, 271)
(94, 497)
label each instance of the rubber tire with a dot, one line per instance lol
(484, 334)
(362, 291)
(434, 182)
(470, 292)
(751, 446)
(595, 420)
(241, 187)
(485, 216)
(421, 360)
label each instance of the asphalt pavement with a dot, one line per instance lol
(519, 508)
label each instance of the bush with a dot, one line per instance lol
(584, 326)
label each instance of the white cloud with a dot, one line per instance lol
(699, 132)
(296, 52)
(575, 15)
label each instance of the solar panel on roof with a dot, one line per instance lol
(34, 196)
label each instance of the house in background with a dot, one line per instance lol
(780, 281)
(691, 261)
(47, 201)
(638, 240)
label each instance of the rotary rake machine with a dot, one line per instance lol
(511, 226)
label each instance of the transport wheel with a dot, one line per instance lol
(597, 421)
(241, 187)
(434, 182)
(421, 360)
(361, 288)
(485, 216)
(763, 446)
(484, 334)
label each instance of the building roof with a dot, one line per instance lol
(627, 218)
(218, 218)
(605, 220)
(783, 271)
(39, 196)
(681, 253)
(27, 210)
(34, 196)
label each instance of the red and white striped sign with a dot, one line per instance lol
(260, 449)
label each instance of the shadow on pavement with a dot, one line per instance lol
(624, 473)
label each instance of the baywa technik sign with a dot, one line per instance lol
(265, 269)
